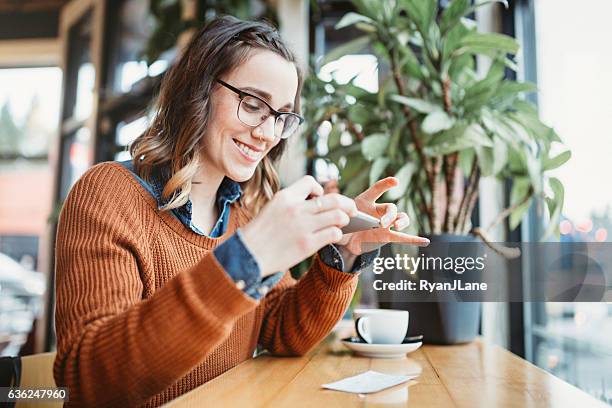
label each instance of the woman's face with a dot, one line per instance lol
(231, 147)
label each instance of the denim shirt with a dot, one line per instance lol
(233, 254)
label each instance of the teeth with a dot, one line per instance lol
(247, 150)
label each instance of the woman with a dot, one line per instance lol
(171, 268)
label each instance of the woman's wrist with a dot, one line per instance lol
(253, 245)
(348, 257)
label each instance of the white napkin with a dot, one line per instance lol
(367, 382)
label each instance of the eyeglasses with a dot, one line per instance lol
(253, 111)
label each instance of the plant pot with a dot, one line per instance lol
(440, 322)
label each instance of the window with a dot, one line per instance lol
(29, 114)
(572, 340)
(361, 68)
(126, 133)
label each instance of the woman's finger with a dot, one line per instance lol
(384, 236)
(388, 211)
(331, 201)
(304, 187)
(400, 237)
(327, 236)
(331, 187)
(402, 221)
(378, 189)
(329, 218)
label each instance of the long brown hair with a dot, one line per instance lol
(183, 110)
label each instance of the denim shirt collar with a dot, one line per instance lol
(229, 191)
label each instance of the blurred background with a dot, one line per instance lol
(77, 78)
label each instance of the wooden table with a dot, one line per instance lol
(477, 374)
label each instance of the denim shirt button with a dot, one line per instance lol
(240, 284)
(262, 290)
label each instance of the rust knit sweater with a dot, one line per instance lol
(145, 312)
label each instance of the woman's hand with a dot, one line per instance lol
(369, 240)
(291, 227)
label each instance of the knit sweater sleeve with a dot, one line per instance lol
(299, 314)
(113, 348)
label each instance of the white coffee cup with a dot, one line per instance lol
(381, 326)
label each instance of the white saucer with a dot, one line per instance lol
(380, 350)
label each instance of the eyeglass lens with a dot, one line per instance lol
(253, 112)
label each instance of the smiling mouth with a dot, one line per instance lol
(248, 150)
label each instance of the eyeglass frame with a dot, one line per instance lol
(242, 94)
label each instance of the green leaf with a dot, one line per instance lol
(495, 74)
(358, 113)
(452, 39)
(394, 142)
(534, 169)
(353, 150)
(508, 87)
(369, 8)
(517, 215)
(517, 163)
(511, 64)
(436, 122)
(496, 125)
(354, 164)
(422, 12)
(374, 146)
(403, 38)
(351, 18)
(356, 185)
(478, 96)
(433, 42)
(333, 139)
(476, 135)
(458, 138)
(485, 160)
(520, 132)
(377, 169)
(476, 43)
(555, 206)
(500, 156)
(466, 159)
(459, 66)
(480, 93)
(520, 189)
(404, 175)
(496, 71)
(557, 161)
(552, 136)
(419, 105)
(508, 92)
(388, 10)
(429, 70)
(368, 28)
(460, 8)
(525, 107)
(453, 13)
(351, 47)
(409, 62)
(528, 118)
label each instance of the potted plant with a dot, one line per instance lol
(438, 124)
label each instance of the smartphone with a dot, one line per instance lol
(361, 222)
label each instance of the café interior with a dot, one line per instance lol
(77, 82)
